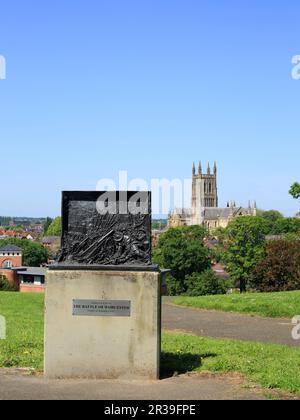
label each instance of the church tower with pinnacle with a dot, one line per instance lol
(205, 209)
(205, 189)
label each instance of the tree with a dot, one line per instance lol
(280, 269)
(34, 254)
(206, 283)
(55, 228)
(286, 225)
(295, 190)
(47, 224)
(244, 247)
(159, 224)
(272, 215)
(182, 250)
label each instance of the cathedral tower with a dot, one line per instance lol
(205, 190)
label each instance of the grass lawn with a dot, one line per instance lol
(24, 318)
(271, 366)
(285, 304)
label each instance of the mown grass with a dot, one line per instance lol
(24, 318)
(273, 305)
(271, 366)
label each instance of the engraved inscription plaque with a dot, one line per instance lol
(113, 308)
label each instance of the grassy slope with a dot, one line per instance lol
(272, 366)
(286, 304)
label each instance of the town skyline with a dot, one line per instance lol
(148, 87)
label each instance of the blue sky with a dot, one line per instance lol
(98, 86)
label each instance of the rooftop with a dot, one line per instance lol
(11, 248)
(51, 239)
(212, 213)
(32, 271)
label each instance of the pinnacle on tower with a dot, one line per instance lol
(200, 168)
(215, 168)
(208, 169)
(194, 169)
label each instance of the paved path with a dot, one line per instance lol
(15, 385)
(228, 325)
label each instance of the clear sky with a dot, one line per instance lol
(148, 86)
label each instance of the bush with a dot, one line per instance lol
(5, 286)
(280, 269)
(206, 283)
(174, 288)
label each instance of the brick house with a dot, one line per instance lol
(10, 257)
(25, 279)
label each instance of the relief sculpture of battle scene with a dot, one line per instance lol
(109, 236)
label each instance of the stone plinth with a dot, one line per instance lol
(106, 347)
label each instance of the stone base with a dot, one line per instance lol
(101, 347)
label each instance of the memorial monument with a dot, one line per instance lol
(103, 297)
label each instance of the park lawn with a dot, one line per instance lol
(269, 365)
(272, 366)
(24, 315)
(273, 305)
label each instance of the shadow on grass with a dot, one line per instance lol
(173, 364)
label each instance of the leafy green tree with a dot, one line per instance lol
(295, 190)
(244, 247)
(286, 225)
(159, 224)
(55, 228)
(205, 283)
(47, 224)
(34, 254)
(182, 250)
(295, 193)
(272, 215)
(291, 237)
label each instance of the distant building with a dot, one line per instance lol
(31, 279)
(51, 242)
(4, 234)
(25, 279)
(205, 208)
(10, 256)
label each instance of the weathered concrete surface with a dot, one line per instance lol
(227, 325)
(21, 386)
(102, 347)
